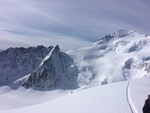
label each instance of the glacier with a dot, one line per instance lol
(116, 57)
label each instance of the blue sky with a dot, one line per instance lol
(68, 23)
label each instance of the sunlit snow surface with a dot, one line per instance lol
(115, 57)
(111, 98)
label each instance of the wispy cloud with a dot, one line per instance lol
(63, 21)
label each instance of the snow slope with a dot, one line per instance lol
(111, 98)
(115, 57)
(12, 99)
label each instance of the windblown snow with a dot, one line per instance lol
(112, 75)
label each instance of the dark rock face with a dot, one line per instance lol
(18, 62)
(45, 76)
(56, 71)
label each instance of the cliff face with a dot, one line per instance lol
(57, 70)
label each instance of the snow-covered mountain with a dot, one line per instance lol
(115, 57)
(39, 68)
(18, 62)
(57, 70)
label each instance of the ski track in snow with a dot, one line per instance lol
(129, 100)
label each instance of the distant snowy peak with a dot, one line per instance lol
(57, 71)
(122, 33)
(115, 57)
(37, 67)
(18, 62)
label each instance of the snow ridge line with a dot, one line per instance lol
(129, 100)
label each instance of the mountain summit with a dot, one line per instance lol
(125, 33)
(56, 71)
(37, 67)
(116, 57)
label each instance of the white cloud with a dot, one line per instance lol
(12, 40)
(81, 21)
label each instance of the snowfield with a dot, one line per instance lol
(110, 98)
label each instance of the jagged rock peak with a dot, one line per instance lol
(41, 47)
(11, 53)
(56, 49)
(56, 70)
(18, 62)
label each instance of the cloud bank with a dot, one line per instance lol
(69, 23)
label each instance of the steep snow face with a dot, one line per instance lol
(116, 57)
(17, 62)
(56, 71)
